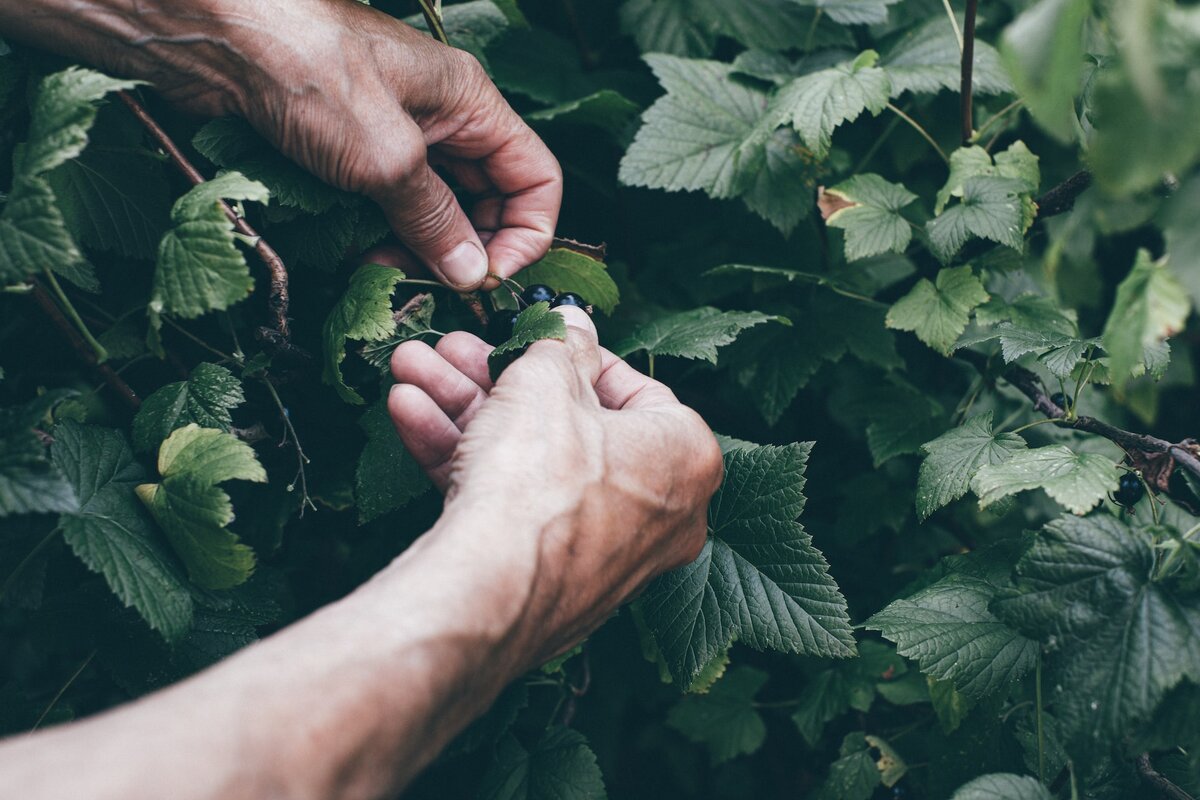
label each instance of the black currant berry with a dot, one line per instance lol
(1130, 490)
(500, 326)
(537, 293)
(900, 792)
(1059, 399)
(569, 299)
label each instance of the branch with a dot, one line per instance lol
(1144, 450)
(84, 351)
(278, 299)
(1159, 782)
(1061, 198)
(968, 65)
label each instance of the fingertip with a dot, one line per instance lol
(580, 320)
(404, 353)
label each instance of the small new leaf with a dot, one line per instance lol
(1077, 481)
(205, 398)
(534, 323)
(365, 313)
(954, 458)
(194, 511)
(991, 209)
(938, 313)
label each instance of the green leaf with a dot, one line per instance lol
(1150, 306)
(817, 103)
(927, 60)
(948, 630)
(868, 210)
(758, 580)
(63, 112)
(387, 476)
(566, 270)
(205, 398)
(1003, 786)
(533, 324)
(954, 458)
(902, 420)
(855, 12)
(30, 483)
(694, 334)
(691, 27)
(111, 533)
(938, 313)
(1077, 481)
(113, 198)
(782, 188)
(849, 684)
(606, 109)
(724, 720)
(33, 235)
(560, 766)
(199, 268)
(1119, 640)
(948, 703)
(413, 319)
(1043, 50)
(707, 132)
(193, 511)
(854, 775)
(990, 209)
(1016, 162)
(364, 312)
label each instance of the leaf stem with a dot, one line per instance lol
(992, 120)
(63, 690)
(650, 367)
(917, 127)
(80, 325)
(958, 37)
(1034, 424)
(301, 458)
(812, 31)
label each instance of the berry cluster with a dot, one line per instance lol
(1129, 491)
(500, 326)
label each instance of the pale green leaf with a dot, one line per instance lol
(724, 719)
(565, 270)
(1015, 162)
(64, 109)
(927, 60)
(991, 208)
(948, 629)
(1077, 481)
(691, 27)
(110, 531)
(938, 313)
(1003, 786)
(817, 103)
(954, 458)
(758, 580)
(694, 334)
(364, 312)
(205, 398)
(560, 766)
(1150, 306)
(869, 213)
(533, 324)
(854, 12)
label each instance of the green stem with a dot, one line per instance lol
(862, 298)
(812, 32)
(63, 690)
(37, 548)
(650, 368)
(1041, 734)
(917, 127)
(1079, 387)
(301, 458)
(1035, 423)
(433, 18)
(65, 303)
(992, 120)
(196, 339)
(954, 24)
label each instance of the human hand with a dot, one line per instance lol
(575, 477)
(356, 97)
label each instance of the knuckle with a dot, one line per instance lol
(387, 167)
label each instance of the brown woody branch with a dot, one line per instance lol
(1159, 782)
(82, 350)
(1061, 198)
(1146, 452)
(968, 67)
(278, 299)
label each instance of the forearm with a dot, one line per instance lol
(349, 703)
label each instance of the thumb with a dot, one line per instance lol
(426, 216)
(579, 351)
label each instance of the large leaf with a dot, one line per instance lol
(868, 210)
(387, 476)
(1077, 481)
(949, 631)
(560, 766)
(33, 235)
(706, 133)
(1003, 786)
(691, 27)
(111, 532)
(990, 209)
(927, 59)
(724, 719)
(938, 312)
(1015, 162)
(566, 270)
(758, 580)
(954, 458)
(1120, 641)
(817, 103)
(1150, 306)
(365, 313)
(194, 511)
(199, 268)
(690, 334)
(63, 112)
(205, 398)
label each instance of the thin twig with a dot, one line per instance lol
(1159, 782)
(63, 690)
(84, 351)
(1015, 104)
(278, 299)
(958, 37)
(301, 458)
(433, 18)
(917, 127)
(968, 66)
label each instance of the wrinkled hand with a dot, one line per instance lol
(584, 478)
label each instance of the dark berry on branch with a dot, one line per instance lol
(1130, 490)
(537, 293)
(569, 299)
(1059, 399)
(500, 326)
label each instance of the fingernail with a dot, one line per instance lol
(465, 266)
